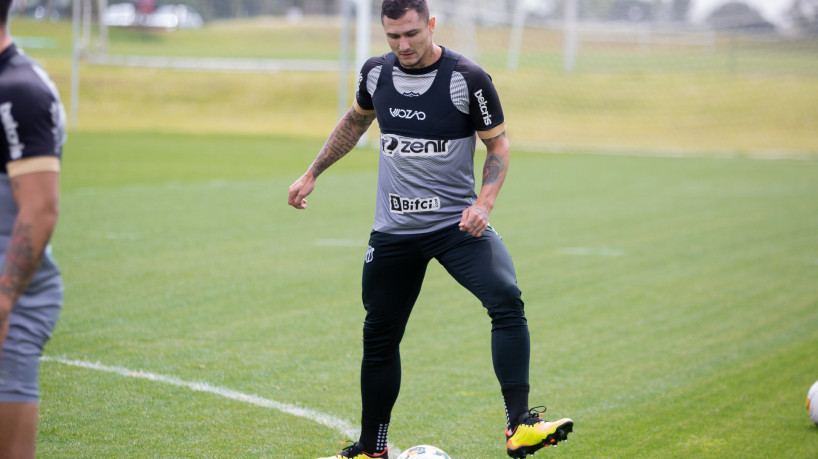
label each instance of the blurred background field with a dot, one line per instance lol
(668, 273)
(661, 86)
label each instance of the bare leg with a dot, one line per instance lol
(18, 429)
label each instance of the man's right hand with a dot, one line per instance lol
(300, 189)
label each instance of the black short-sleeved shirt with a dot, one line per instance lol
(32, 117)
(32, 127)
(472, 90)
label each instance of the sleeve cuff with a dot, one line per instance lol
(33, 164)
(360, 110)
(493, 132)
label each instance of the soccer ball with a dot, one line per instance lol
(812, 403)
(423, 452)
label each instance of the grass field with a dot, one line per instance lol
(672, 301)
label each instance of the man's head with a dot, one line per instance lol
(395, 9)
(409, 31)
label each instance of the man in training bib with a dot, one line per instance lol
(429, 102)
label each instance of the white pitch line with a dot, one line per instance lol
(332, 422)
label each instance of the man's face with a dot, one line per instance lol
(410, 38)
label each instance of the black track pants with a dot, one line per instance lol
(392, 276)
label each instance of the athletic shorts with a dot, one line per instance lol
(395, 267)
(31, 323)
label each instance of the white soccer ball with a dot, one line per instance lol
(812, 403)
(424, 452)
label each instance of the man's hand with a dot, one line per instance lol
(300, 189)
(475, 220)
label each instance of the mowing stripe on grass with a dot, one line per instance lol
(591, 251)
(339, 425)
(339, 243)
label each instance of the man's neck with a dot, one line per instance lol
(437, 53)
(5, 39)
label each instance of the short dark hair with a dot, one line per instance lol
(395, 9)
(5, 8)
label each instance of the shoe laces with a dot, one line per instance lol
(350, 451)
(534, 415)
(353, 450)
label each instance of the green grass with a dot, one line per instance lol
(671, 302)
(736, 97)
(272, 38)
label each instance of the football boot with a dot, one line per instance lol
(534, 433)
(356, 451)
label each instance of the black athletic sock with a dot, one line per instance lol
(516, 401)
(374, 435)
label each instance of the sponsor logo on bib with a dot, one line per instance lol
(407, 114)
(407, 146)
(401, 205)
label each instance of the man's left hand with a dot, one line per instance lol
(475, 220)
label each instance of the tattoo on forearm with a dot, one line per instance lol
(492, 169)
(342, 140)
(21, 261)
(487, 141)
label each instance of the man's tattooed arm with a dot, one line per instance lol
(492, 169)
(343, 139)
(495, 166)
(21, 261)
(36, 196)
(475, 218)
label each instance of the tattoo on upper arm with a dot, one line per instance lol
(342, 139)
(492, 169)
(487, 141)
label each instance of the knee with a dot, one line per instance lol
(503, 298)
(381, 344)
(506, 308)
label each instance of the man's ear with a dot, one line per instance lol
(432, 25)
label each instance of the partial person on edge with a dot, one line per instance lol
(31, 291)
